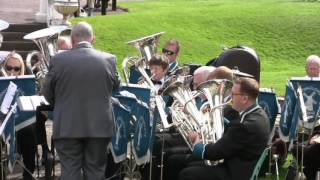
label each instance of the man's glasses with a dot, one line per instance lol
(168, 52)
(9, 68)
(237, 94)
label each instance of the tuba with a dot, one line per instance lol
(185, 114)
(3, 25)
(217, 93)
(147, 46)
(37, 62)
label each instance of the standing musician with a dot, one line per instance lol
(240, 146)
(79, 86)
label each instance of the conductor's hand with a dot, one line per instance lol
(194, 137)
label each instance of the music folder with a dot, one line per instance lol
(30, 103)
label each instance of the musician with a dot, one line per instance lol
(64, 43)
(311, 158)
(240, 147)
(313, 66)
(201, 75)
(14, 66)
(171, 51)
(158, 66)
(79, 86)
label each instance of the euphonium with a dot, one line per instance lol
(185, 115)
(37, 62)
(216, 92)
(147, 47)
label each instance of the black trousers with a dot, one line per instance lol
(27, 146)
(165, 144)
(187, 167)
(311, 159)
(41, 134)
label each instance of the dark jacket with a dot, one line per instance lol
(79, 85)
(242, 144)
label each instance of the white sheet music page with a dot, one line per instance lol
(30, 103)
(8, 98)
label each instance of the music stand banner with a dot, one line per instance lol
(267, 99)
(26, 87)
(142, 141)
(120, 141)
(141, 93)
(17, 120)
(311, 96)
(287, 112)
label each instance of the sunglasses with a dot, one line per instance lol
(9, 68)
(168, 52)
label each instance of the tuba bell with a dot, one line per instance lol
(37, 62)
(217, 93)
(185, 114)
(147, 47)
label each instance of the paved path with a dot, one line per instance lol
(18, 11)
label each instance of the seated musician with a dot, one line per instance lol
(313, 66)
(158, 67)
(201, 74)
(240, 147)
(173, 141)
(171, 51)
(14, 66)
(311, 152)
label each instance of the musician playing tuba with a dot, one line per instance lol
(158, 67)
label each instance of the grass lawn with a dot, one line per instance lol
(283, 32)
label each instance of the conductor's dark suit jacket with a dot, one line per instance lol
(79, 85)
(242, 144)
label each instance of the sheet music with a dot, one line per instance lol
(8, 98)
(30, 103)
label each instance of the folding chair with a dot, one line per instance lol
(257, 168)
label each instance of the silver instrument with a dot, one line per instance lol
(147, 46)
(217, 93)
(46, 39)
(208, 121)
(3, 25)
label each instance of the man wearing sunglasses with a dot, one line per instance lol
(171, 51)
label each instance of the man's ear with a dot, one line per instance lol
(93, 40)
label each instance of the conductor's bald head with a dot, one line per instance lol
(82, 32)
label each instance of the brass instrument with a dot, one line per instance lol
(37, 62)
(215, 91)
(147, 46)
(187, 117)
(3, 25)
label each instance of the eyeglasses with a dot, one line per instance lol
(10, 68)
(168, 52)
(237, 94)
